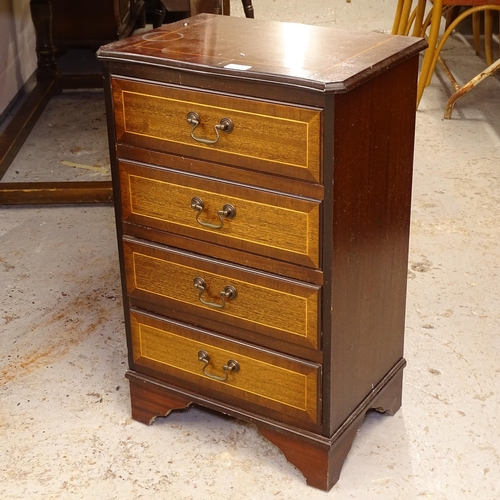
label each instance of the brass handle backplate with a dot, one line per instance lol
(232, 366)
(226, 125)
(228, 211)
(229, 293)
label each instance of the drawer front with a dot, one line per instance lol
(264, 304)
(262, 379)
(263, 223)
(270, 137)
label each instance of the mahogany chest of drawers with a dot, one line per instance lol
(262, 180)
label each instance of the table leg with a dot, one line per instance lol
(16, 132)
(41, 14)
(19, 128)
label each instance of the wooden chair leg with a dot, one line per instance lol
(248, 8)
(419, 19)
(159, 14)
(397, 17)
(427, 65)
(469, 86)
(405, 16)
(488, 36)
(452, 14)
(448, 32)
(476, 31)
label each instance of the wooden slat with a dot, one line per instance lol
(22, 123)
(29, 193)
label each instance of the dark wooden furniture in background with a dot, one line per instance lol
(92, 23)
(88, 23)
(61, 25)
(263, 204)
(194, 7)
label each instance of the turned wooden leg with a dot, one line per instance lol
(41, 13)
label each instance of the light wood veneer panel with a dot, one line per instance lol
(266, 379)
(265, 304)
(271, 224)
(266, 136)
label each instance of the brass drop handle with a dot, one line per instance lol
(229, 293)
(226, 125)
(228, 211)
(232, 366)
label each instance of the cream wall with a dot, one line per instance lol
(17, 48)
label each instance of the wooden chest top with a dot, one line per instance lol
(325, 59)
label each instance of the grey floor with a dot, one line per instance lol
(65, 425)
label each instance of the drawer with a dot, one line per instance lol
(270, 137)
(262, 303)
(278, 226)
(255, 379)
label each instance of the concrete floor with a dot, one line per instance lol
(65, 425)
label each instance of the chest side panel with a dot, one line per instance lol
(372, 177)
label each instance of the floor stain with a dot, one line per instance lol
(68, 329)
